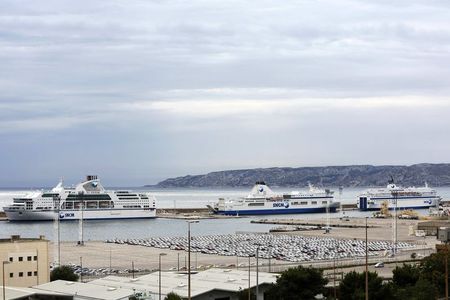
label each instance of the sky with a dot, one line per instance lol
(139, 91)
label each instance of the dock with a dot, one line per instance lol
(189, 213)
(316, 223)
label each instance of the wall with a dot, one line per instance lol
(28, 262)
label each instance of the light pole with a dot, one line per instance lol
(257, 272)
(110, 260)
(80, 224)
(81, 267)
(367, 271)
(249, 295)
(161, 254)
(394, 225)
(336, 256)
(3, 271)
(189, 258)
(57, 205)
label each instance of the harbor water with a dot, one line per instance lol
(170, 198)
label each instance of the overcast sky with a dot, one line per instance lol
(138, 91)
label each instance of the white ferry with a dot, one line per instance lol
(88, 200)
(263, 201)
(398, 197)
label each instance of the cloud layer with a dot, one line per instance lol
(140, 90)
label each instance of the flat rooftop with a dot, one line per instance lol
(22, 292)
(18, 238)
(229, 280)
(85, 290)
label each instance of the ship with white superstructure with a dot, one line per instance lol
(88, 200)
(263, 201)
(396, 197)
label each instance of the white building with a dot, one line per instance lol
(212, 284)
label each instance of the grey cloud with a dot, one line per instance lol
(79, 69)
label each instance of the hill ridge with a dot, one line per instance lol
(344, 175)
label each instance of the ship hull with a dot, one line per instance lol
(306, 210)
(411, 203)
(73, 215)
(398, 208)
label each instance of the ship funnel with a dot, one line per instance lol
(261, 189)
(91, 177)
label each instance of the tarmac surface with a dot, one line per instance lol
(98, 254)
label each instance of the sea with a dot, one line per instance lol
(170, 198)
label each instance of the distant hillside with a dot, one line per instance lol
(347, 176)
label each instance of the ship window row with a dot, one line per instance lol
(306, 202)
(88, 197)
(21, 258)
(131, 206)
(132, 200)
(256, 204)
(50, 195)
(21, 274)
(88, 204)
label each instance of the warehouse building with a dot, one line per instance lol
(212, 284)
(25, 261)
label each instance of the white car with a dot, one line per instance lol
(379, 265)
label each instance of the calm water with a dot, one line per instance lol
(167, 198)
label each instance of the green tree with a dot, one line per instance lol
(172, 296)
(406, 275)
(243, 295)
(353, 287)
(432, 270)
(423, 290)
(63, 273)
(298, 283)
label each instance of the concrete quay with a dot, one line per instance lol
(98, 254)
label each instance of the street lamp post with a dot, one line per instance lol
(257, 272)
(189, 258)
(367, 271)
(81, 266)
(3, 271)
(161, 254)
(57, 205)
(80, 197)
(249, 295)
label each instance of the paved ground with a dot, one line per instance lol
(97, 254)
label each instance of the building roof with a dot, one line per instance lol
(434, 223)
(20, 292)
(201, 282)
(17, 238)
(86, 290)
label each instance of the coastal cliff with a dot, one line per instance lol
(347, 176)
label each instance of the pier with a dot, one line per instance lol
(315, 223)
